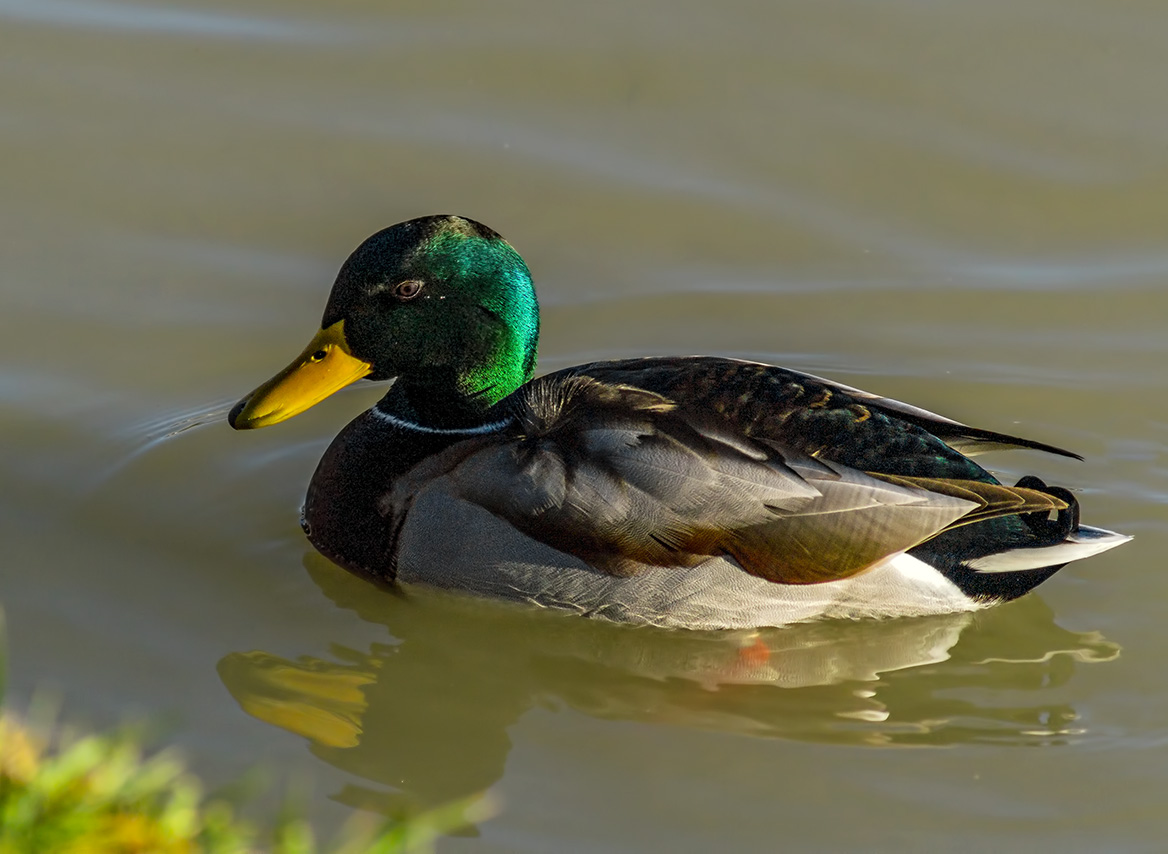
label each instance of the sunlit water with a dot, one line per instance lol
(960, 205)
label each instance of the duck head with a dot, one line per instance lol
(442, 303)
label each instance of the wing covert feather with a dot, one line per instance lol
(620, 478)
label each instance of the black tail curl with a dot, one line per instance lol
(952, 552)
(1047, 531)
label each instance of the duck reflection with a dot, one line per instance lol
(428, 712)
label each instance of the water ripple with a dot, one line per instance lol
(126, 17)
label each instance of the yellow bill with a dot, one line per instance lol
(325, 366)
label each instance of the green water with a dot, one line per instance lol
(959, 205)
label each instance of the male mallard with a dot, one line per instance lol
(700, 492)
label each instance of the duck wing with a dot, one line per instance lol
(628, 480)
(803, 409)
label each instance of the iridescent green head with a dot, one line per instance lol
(443, 303)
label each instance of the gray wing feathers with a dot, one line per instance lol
(628, 487)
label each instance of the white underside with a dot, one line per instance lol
(478, 554)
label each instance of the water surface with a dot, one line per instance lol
(961, 205)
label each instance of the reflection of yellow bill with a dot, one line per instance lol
(324, 706)
(325, 366)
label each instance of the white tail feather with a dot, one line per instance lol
(1084, 542)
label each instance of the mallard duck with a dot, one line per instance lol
(696, 492)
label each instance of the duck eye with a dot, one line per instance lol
(408, 289)
(317, 356)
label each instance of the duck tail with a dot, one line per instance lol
(990, 570)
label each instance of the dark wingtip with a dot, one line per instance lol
(1005, 440)
(1050, 449)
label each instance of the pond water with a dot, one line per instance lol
(960, 205)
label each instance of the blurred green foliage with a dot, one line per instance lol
(67, 793)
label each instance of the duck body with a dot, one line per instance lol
(695, 492)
